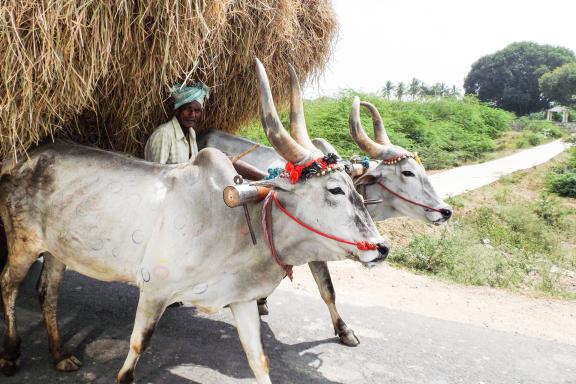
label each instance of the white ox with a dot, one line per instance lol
(166, 229)
(394, 188)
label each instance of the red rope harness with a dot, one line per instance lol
(269, 236)
(406, 199)
(361, 245)
(267, 227)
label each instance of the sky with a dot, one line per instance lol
(434, 40)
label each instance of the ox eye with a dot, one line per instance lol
(408, 173)
(336, 191)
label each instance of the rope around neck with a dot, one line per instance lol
(406, 199)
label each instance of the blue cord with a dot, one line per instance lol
(273, 173)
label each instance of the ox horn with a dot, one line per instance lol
(380, 135)
(298, 128)
(277, 135)
(366, 144)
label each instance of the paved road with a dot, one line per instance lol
(459, 180)
(188, 347)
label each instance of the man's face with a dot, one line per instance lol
(189, 115)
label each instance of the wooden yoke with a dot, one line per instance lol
(237, 195)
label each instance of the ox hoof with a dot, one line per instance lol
(68, 364)
(348, 338)
(9, 367)
(126, 378)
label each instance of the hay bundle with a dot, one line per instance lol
(98, 71)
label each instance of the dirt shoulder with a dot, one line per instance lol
(400, 290)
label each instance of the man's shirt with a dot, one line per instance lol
(168, 145)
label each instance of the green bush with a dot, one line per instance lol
(564, 183)
(542, 127)
(508, 245)
(562, 179)
(534, 139)
(445, 132)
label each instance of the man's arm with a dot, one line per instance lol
(157, 147)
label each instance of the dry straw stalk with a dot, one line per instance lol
(98, 72)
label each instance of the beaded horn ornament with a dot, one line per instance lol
(318, 167)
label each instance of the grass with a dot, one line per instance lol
(512, 234)
(445, 132)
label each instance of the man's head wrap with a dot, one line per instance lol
(183, 95)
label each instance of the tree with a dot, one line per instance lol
(439, 90)
(387, 90)
(414, 88)
(454, 91)
(559, 85)
(400, 89)
(508, 78)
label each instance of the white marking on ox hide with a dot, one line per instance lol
(162, 272)
(180, 222)
(96, 244)
(114, 186)
(137, 236)
(145, 273)
(199, 288)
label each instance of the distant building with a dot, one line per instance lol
(558, 109)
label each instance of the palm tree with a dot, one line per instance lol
(400, 89)
(414, 88)
(437, 89)
(425, 90)
(387, 90)
(454, 91)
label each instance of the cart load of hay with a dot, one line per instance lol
(98, 72)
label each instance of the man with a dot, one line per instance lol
(175, 141)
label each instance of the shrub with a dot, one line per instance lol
(446, 132)
(534, 139)
(562, 179)
(548, 209)
(563, 183)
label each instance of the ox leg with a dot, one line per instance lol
(47, 287)
(248, 325)
(14, 272)
(322, 277)
(263, 306)
(147, 316)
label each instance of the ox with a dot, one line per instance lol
(395, 183)
(109, 216)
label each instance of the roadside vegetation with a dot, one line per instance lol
(516, 234)
(445, 131)
(562, 178)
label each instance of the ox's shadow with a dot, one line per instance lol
(96, 322)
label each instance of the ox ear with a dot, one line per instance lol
(276, 183)
(370, 177)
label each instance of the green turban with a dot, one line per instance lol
(183, 95)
